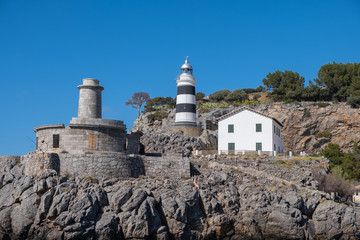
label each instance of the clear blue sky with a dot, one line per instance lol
(47, 47)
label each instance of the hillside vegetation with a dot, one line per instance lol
(336, 82)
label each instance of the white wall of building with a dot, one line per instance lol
(245, 136)
(277, 140)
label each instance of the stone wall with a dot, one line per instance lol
(100, 165)
(167, 166)
(77, 140)
(105, 165)
(38, 163)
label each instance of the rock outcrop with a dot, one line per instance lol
(157, 138)
(227, 198)
(310, 126)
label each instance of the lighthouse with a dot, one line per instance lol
(185, 100)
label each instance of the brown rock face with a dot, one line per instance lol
(310, 126)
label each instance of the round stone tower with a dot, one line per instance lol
(90, 99)
(185, 100)
(87, 133)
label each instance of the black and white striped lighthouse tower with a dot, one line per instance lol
(185, 100)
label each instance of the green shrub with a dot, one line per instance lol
(224, 105)
(256, 96)
(251, 103)
(199, 95)
(354, 101)
(279, 162)
(307, 113)
(310, 93)
(346, 165)
(290, 101)
(260, 89)
(237, 95)
(207, 105)
(159, 103)
(158, 115)
(323, 135)
(322, 104)
(219, 95)
(249, 90)
(203, 110)
(333, 153)
(350, 166)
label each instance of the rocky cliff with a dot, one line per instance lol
(310, 126)
(227, 198)
(307, 127)
(157, 137)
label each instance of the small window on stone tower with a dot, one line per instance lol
(56, 140)
(92, 141)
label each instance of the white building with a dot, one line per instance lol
(245, 130)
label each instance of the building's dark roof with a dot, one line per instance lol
(250, 109)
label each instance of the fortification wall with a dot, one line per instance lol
(167, 166)
(38, 163)
(99, 165)
(81, 140)
(105, 165)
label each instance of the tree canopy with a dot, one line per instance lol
(282, 84)
(159, 102)
(238, 95)
(335, 82)
(199, 95)
(342, 80)
(219, 95)
(137, 100)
